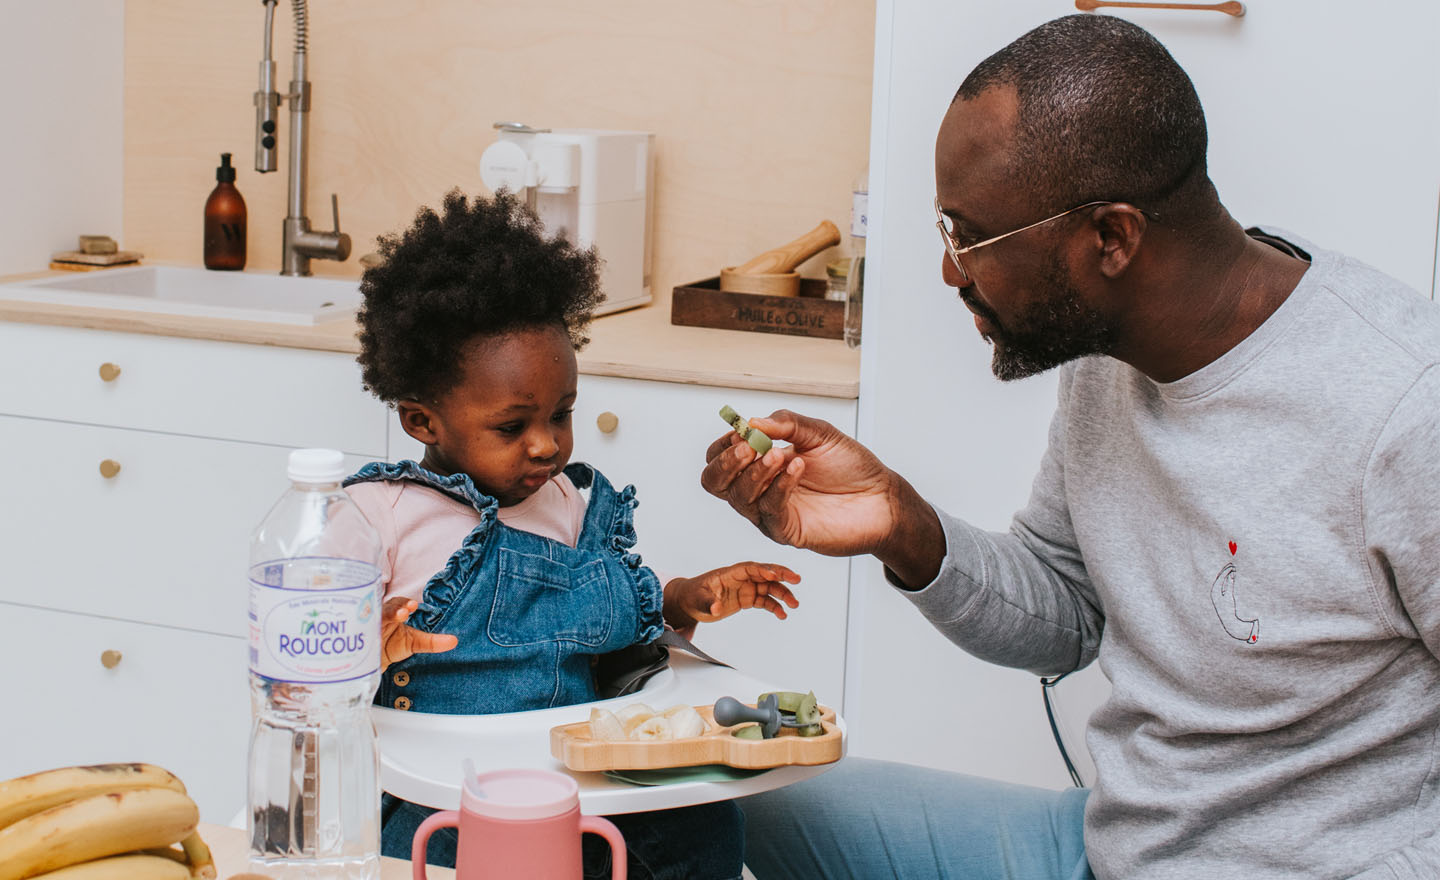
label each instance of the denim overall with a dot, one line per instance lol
(530, 613)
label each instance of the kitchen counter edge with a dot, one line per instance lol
(638, 343)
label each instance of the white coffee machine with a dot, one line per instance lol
(593, 187)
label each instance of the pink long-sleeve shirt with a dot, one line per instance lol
(421, 528)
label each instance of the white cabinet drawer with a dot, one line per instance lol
(178, 699)
(261, 394)
(165, 540)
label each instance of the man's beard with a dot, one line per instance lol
(1049, 332)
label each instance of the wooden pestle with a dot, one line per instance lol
(787, 257)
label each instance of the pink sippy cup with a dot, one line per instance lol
(518, 823)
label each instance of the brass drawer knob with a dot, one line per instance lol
(607, 422)
(109, 372)
(109, 468)
(110, 659)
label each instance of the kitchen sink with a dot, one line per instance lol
(189, 290)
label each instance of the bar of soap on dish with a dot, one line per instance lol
(97, 244)
(754, 436)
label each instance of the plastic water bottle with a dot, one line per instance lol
(315, 595)
(855, 276)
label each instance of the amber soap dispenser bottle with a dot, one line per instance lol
(225, 221)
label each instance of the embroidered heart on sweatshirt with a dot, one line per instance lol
(1232, 548)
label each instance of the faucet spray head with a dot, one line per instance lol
(267, 100)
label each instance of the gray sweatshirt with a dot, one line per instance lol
(1253, 554)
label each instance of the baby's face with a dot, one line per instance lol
(507, 424)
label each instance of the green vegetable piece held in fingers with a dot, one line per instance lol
(754, 436)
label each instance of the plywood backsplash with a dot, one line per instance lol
(760, 108)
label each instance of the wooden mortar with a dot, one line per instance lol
(767, 283)
(773, 272)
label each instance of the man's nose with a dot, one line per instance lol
(951, 274)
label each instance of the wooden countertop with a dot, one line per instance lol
(228, 848)
(636, 344)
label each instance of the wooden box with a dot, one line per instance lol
(704, 304)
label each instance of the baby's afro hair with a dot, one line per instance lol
(484, 267)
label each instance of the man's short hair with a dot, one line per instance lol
(1105, 113)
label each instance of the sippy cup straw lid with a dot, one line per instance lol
(518, 794)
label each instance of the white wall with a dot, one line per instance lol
(62, 63)
(1323, 121)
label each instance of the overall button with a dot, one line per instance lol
(401, 678)
(402, 703)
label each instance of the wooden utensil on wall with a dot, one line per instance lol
(1230, 7)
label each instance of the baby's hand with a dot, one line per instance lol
(398, 641)
(718, 594)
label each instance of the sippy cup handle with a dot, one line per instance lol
(442, 819)
(607, 830)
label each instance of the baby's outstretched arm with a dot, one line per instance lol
(720, 593)
(398, 641)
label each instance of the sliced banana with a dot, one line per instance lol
(605, 726)
(685, 721)
(656, 727)
(632, 711)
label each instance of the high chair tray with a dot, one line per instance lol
(421, 754)
(574, 745)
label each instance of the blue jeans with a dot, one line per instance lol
(873, 819)
(703, 842)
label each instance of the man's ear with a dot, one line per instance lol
(418, 420)
(1121, 227)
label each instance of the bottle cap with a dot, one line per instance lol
(315, 466)
(226, 172)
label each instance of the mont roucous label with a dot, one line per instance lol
(315, 634)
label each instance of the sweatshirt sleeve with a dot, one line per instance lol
(1402, 532)
(1020, 598)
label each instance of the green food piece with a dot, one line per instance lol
(754, 436)
(797, 709)
(749, 731)
(792, 702)
(807, 714)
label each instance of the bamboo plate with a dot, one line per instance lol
(573, 746)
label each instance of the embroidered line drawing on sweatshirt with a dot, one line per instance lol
(1222, 595)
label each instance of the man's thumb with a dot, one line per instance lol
(802, 432)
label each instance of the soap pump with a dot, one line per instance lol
(225, 221)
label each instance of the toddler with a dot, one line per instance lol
(507, 567)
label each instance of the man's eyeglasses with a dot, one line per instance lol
(956, 252)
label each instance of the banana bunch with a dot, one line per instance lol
(103, 822)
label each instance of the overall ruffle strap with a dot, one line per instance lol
(444, 587)
(443, 590)
(457, 486)
(618, 539)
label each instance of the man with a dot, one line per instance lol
(1234, 513)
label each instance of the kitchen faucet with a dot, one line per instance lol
(301, 244)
